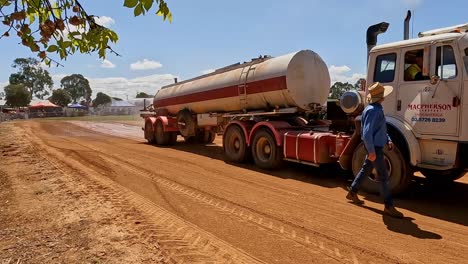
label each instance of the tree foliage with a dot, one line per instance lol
(30, 73)
(339, 88)
(143, 95)
(101, 99)
(77, 87)
(60, 97)
(63, 27)
(17, 95)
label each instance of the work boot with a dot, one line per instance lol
(353, 197)
(393, 212)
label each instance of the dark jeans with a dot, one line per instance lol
(383, 178)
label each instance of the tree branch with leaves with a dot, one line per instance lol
(63, 27)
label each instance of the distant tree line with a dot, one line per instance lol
(339, 88)
(31, 80)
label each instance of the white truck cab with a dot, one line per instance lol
(428, 111)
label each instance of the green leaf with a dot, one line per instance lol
(52, 48)
(5, 3)
(130, 3)
(138, 10)
(32, 18)
(57, 10)
(147, 4)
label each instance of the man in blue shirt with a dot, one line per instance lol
(375, 137)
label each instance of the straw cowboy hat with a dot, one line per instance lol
(377, 91)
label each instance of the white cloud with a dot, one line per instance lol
(339, 69)
(107, 64)
(343, 74)
(207, 71)
(145, 64)
(104, 21)
(121, 87)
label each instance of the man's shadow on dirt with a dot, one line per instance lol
(404, 226)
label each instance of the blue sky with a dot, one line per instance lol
(208, 34)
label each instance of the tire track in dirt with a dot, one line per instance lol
(183, 242)
(315, 242)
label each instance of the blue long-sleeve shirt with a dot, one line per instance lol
(374, 127)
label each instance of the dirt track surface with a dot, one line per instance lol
(80, 194)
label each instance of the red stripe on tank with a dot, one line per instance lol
(262, 86)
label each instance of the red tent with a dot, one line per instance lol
(43, 104)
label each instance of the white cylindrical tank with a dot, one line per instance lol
(299, 79)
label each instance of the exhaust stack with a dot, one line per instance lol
(406, 25)
(372, 33)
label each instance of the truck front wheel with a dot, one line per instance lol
(265, 151)
(399, 170)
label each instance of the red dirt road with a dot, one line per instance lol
(70, 194)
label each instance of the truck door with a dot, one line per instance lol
(431, 109)
(384, 72)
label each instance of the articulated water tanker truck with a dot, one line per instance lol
(266, 109)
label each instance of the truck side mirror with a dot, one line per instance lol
(434, 79)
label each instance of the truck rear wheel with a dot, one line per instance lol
(235, 145)
(398, 169)
(265, 151)
(162, 138)
(206, 137)
(172, 138)
(149, 133)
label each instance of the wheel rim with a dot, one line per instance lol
(234, 144)
(263, 149)
(388, 166)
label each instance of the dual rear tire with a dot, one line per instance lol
(160, 137)
(264, 150)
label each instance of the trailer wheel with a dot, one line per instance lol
(211, 137)
(399, 170)
(443, 176)
(206, 137)
(172, 138)
(162, 138)
(149, 133)
(266, 153)
(235, 145)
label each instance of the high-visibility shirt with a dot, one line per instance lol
(411, 71)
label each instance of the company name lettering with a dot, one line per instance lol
(430, 106)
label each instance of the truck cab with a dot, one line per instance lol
(427, 111)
